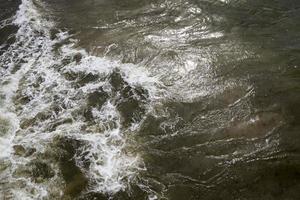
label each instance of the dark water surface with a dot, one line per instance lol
(156, 99)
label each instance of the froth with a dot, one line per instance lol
(40, 105)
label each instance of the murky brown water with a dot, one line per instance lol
(157, 99)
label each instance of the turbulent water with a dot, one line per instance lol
(156, 99)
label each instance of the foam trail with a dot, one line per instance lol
(39, 105)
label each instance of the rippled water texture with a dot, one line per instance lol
(156, 99)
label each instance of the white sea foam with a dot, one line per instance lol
(8, 124)
(107, 148)
(111, 166)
